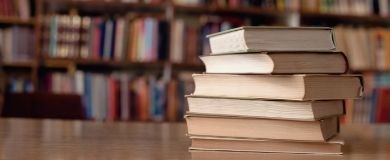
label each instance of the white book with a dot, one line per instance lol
(257, 39)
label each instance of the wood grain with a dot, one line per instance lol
(58, 139)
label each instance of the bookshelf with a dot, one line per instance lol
(202, 18)
(16, 21)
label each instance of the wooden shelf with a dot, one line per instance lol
(242, 11)
(257, 11)
(71, 63)
(371, 71)
(346, 18)
(16, 21)
(18, 64)
(118, 6)
(101, 6)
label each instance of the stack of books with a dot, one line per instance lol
(271, 89)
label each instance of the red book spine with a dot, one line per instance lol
(117, 99)
(1, 8)
(383, 106)
(96, 33)
(111, 99)
(6, 7)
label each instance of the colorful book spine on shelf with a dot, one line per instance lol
(19, 85)
(374, 106)
(120, 96)
(130, 38)
(16, 8)
(142, 39)
(366, 48)
(16, 44)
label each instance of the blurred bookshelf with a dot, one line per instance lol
(144, 51)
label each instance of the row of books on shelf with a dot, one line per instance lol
(366, 48)
(120, 96)
(16, 8)
(131, 38)
(19, 85)
(350, 7)
(16, 44)
(374, 107)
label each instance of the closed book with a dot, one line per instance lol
(383, 106)
(85, 37)
(226, 155)
(119, 39)
(286, 87)
(333, 146)
(294, 110)
(172, 103)
(108, 36)
(277, 63)
(255, 39)
(244, 127)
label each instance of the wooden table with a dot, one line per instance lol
(77, 140)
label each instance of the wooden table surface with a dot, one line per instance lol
(77, 140)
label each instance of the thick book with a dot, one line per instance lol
(294, 110)
(286, 87)
(255, 39)
(277, 63)
(333, 146)
(229, 155)
(244, 127)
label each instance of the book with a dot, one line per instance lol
(294, 110)
(244, 127)
(225, 155)
(16, 8)
(383, 105)
(286, 87)
(257, 39)
(15, 44)
(333, 146)
(277, 63)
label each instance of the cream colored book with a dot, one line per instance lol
(286, 87)
(243, 127)
(294, 110)
(333, 146)
(257, 38)
(226, 155)
(277, 63)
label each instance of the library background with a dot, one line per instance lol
(132, 60)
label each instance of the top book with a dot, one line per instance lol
(257, 39)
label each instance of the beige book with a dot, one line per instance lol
(243, 127)
(225, 155)
(286, 87)
(333, 146)
(256, 38)
(294, 110)
(277, 63)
